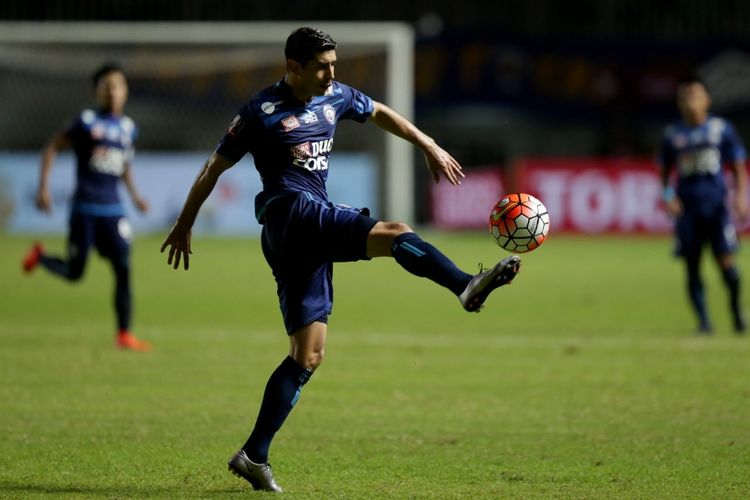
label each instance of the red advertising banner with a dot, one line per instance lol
(592, 195)
(582, 195)
(467, 206)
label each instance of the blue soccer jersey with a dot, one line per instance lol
(699, 152)
(103, 146)
(290, 140)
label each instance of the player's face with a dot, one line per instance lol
(318, 74)
(112, 92)
(693, 101)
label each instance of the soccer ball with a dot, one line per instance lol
(519, 223)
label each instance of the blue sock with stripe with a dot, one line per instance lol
(422, 259)
(282, 392)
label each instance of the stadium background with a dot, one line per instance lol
(495, 83)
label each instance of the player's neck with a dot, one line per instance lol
(111, 111)
(696, 120)
(297, 92)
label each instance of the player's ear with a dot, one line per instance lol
(293, 66)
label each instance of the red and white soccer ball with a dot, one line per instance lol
(519, 223)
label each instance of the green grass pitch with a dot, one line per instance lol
(583, 379)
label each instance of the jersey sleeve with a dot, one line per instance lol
(241, 137)
(359, 106)
(74, 129)
(732, 148)
(130, 148)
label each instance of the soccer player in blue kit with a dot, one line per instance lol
(103, 143)
(289, 128)
(699, 146)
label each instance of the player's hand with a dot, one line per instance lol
(141, 204)
(674, 207)
(439, 162)
(178, 241)
(44, 201)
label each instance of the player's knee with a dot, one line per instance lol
(396, 228)
(75, 273)
(312, 359)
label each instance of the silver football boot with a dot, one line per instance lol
(258, 475)
(487, 280)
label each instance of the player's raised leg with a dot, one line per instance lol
(420, 258)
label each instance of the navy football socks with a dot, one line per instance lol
(71, 270)
(697, 295)
(422, 259)
(282, 392)
(123, 300)
(732, 280)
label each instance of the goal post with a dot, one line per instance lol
(395, 40)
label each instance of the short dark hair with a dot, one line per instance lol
(303, 43)
(105, 69)
(692, 78)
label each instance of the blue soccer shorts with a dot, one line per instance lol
(302, 238)
(695, 228)
(109, 235)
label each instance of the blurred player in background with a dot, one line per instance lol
(699, 146)
(103, 143)
(289, 128)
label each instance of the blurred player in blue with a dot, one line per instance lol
(699, 147)
(289, 128)
(102, 140)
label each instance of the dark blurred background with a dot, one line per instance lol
(496, 79)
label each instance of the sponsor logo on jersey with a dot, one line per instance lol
(88, 116)
(330, 113)
(109, 161)
(301, 151)
(700, 161)
(97, 131)
(290, 123)
(113, 133)
(309, 117)
(268, 107)
(312, 155)
(236, 126)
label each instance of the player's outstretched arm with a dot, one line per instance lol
(49, 153)
(671, 202)
(439, 162)
(740, 191)
(127, 178)
(178, 239)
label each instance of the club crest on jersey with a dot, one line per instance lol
(330, 113)
(290, 123)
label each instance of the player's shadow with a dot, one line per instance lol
(11, 489)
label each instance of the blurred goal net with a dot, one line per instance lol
(187, 80)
